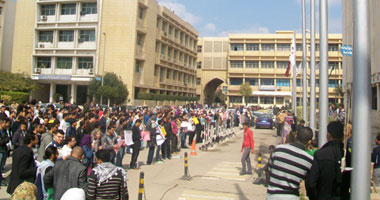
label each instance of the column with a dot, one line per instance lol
(52, 92)
(378, 96)
(73, 93)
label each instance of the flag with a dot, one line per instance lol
(292, 57)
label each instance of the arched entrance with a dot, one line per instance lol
(210, 88)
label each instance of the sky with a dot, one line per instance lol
(223, 17)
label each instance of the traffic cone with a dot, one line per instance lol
(193, 151)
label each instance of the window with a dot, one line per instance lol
(170, 30)
(199, 48)
(236, 81)
(298, 47)
(141, 13)
(45, 36)
(68, 9)
(236, 64)
(283, 47)
(252, 47)
(252, 81)
(199, 65)
(89, 8)
(43, 62)
(279, 100)
(374, 98)
(333, 65)
(175, 34)
(161, 74)
(140, 39)
(236, 99)
(299, 82)
(174, 75)
(85, 63)
(282, 64)
(155, 71)
(253, 100)
(48, 10)
(267, 64)
(237, 47)
(164, 27)
(1, 10)
(267, 47)
(66, 36)
(333, 83)
(251, 64)
(198, 81)
(87, 35)
(266, 100)
(333, 47)
(64, 62)
(283, 82)
(175, 55)
(267, 81)
(179, 76)
(168, 74)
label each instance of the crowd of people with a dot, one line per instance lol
(64, 150)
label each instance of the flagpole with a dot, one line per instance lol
(323, 74)
(312, 66)
(361, 108)
(304, 104)
(294, 88)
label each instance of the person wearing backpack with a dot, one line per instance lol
(324, 180)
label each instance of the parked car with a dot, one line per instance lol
(264, 120)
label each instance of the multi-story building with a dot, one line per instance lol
(74, 41)
(348, 18)
(261, 60)
(7, 24)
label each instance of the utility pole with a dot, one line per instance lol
(304, 104)
(104, 58)
(312, 65)
(361, 108)
(323, 73)
(294, 74)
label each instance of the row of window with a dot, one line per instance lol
(69, 9)
(271, 47)
(255, 100)
(270, 64)
(170, 31)
(65, 62)
(176, 55)
(333, 83)
(174, 75)
(67, 36)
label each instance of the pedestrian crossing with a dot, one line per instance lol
(202, 195)
(226, 171)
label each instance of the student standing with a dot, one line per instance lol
(246, 147)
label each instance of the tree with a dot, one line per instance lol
(220, 97)
(16, 82)
(113, 88)
(245, 91)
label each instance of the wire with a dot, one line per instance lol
(163, 195)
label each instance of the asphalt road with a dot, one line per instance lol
(214, 173)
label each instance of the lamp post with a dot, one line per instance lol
(312, 65)
(104, 58)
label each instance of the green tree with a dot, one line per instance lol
(245, 91)
(113, 89)
(16, 82)
(220, 97)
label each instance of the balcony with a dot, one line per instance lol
(67, 18)
(46, 18)
(66, 45)
(45, 45)
(86, 44)
(140, 54)
(88, 17)
(141, 26)
(55, 71)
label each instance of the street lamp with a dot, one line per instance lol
(104, 58)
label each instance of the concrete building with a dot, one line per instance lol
(261, 60)
(151, 48)
(7, 24)
(348, 18)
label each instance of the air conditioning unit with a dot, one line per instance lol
(83, 13)
(91, 71)
(37, 70)
(43, 17)
(41, 46)
(80, 40)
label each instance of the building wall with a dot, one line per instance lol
(276, 57)
(347, 8)
(7, 29)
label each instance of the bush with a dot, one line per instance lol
(145, 96)
(16, 96)
(159, 97)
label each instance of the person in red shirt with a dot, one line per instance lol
(246, 147)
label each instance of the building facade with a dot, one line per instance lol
(261, 60)
(348, 18)
(7, 24)
(74, 41)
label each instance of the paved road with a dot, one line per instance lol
(215, 173)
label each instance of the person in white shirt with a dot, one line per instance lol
(68, 147)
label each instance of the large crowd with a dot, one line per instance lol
(61, 150)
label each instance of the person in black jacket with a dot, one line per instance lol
(324, 180)
(152, 143)
(23, 166)
(4, 139)
(103, 122)
(136, 137)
